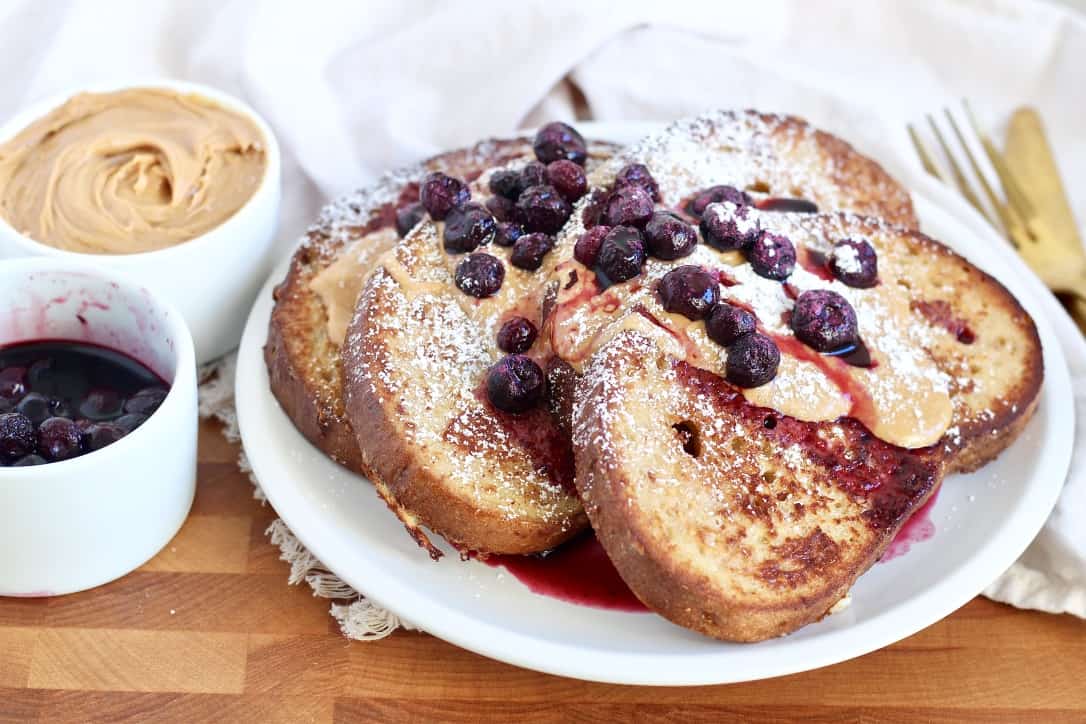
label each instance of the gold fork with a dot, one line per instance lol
(1035, 217)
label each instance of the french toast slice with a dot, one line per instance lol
(416, 362)
(302, 350)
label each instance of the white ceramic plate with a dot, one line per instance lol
(982, 522)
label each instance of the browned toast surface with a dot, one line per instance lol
(301, 354)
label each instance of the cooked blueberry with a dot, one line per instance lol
(727, 323)
(529, 250)
(637, 174)
(557, 141)
(543, 209)
(57, 380)
(517, 335)
(97, 435)
(534, 173)
(146, 400)
(627, 206)
(824, 320)
(689, 290)
(61, 408)
(508, 233)
(855, 263)
(16, 436)
(726, 226)
(501, 208)
(716, 194)
(587, 248)
(130, 422)
(440, 194)
(101, 404)
(38, 374)
(36, 407)
(29, 461)
(480, 275)
(12, 383)
(568, 178)
(794, 206)
(752, 361)
(772, 256)
(505, 183)
(408, 217)
(668, 237)
(593, 208)
(58, 439)
(622, 253)
(515, 383)
(467, 227)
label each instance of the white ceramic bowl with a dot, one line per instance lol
(71, 525)
(213, 278)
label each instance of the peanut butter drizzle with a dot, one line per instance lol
(129, 171)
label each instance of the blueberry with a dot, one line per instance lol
(627, 206)
(517, 335)
(824, 320)
(440, 194)
(727, 323)
(622, 253)
(130, 422)
(501, 208)
(593, 208)
(408, 217)
(61, 408)
(855, 263)
(534, 173)
(58, 439)
(97, 435)
(16, 436)
(12, 383)
(515, 383)
(752, 361)
(529, 250)
(557, 141)
(637, 174)
(542, 208)
(716, 194)
(772, 256)
(568, 178)
(146, 400)
(505, 183)
(101, 404)
(480, 275)
(689, 290)
(28, 461)
(35, 406)
(467, 227)
(726, 226)
(668, 237)
(508, 233)
(587, 248)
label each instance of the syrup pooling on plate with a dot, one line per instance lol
(59, 400)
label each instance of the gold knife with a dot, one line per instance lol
(1055, 251)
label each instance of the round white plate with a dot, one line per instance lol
(983, 522)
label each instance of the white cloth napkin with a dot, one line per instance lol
(354, 88)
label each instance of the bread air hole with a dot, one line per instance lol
(689, 437)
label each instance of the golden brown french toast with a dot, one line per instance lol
(328, 269)
(768, 396)
(443, 371)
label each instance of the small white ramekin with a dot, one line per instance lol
(71, 525)
(214, 278)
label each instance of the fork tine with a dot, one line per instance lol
(922, 152)
(956, 171)
(1011, 188)
(1001, 210)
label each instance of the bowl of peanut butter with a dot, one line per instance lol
(175, 183)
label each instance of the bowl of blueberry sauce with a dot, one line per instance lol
(98, 425)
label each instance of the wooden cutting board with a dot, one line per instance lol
(210, 631)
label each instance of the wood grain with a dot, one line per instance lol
(209, 631)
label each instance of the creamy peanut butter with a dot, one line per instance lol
(339, 284)
(129, 171)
